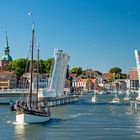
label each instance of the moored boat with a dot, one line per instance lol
(116, 100)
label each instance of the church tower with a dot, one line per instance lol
(6, 58)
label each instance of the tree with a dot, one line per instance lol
(19, 66)
(116, 74)
(48, 65)
(67, 72)
(124, 76)
(115, 70)
(76, 70)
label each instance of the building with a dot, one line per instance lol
(67, 86)
(6, 58)
(88, 73)
(121, 84)
(134, 81)
(107, 76)
(42, 81)
(86, 84)
(8, 80)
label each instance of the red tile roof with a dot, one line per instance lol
(108, 75)
(7, 72)
(93, 80)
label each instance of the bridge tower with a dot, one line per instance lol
(59, 72)
(137, 57)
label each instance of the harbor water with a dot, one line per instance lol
(81, 120)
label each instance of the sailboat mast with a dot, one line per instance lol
(37, 74)
(31, 70)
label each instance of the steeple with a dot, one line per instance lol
(6, 55)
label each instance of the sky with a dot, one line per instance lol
(97, 34)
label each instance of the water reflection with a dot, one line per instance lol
(19, 131)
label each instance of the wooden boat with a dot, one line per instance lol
(31, 110)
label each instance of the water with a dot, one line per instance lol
(82, 120)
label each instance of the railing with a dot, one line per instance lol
(15, 91)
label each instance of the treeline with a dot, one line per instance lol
(20, 66)
(116, 73)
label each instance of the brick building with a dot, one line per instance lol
(8, 80)
(134, 81)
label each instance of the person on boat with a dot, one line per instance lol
(17, 104)
(12, 105)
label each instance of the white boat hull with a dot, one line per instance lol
(126, 98)
(29, 118)
(116, 100)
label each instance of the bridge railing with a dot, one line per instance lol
(15, 91)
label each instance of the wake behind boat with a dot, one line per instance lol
(31, 110)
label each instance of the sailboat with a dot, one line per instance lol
(116, 99)
(127, 97)
(95, 92)
(31, 110)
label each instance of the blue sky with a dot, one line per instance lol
(98, 34)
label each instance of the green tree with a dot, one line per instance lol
(124, 76)
(76, 70)
(19, 66)
(48, 65)
(116, 74)
(115, 70)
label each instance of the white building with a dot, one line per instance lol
(42, 80)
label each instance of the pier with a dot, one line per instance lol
(8, 95)
(54, 101)
(135, 105)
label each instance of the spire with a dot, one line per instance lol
(6, 55)
(6, 38)
(6, 51)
